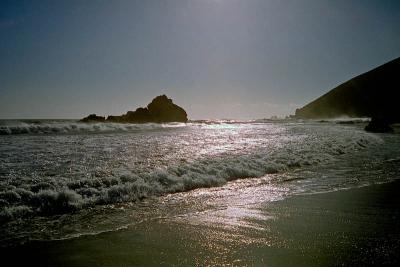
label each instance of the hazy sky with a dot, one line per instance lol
(215, 58)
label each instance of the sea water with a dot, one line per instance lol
(63, 179)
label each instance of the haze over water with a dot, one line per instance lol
(216, 58)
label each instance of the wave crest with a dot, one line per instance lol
(64, 195)
(66, 127)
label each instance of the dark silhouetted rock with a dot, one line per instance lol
(161, 109)
(374, 94)
(114, 118)
(140, 115)
(379, 125)
(93, 118)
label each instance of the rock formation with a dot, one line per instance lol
(161, 109)
(93, 118)
(379, 125)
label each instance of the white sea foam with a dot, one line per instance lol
(246, 151)
(74, 127)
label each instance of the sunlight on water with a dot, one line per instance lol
(234, 205)
(210, 173)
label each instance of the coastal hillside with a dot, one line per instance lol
(372, 94)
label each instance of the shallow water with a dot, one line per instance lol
(62, 179)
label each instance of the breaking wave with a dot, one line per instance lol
(71, 126)
(48, 196)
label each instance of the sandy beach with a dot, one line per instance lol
(199, 133)
(350, 227)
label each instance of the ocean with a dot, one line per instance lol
(62, 179)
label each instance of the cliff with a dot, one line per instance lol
(161, 109)
(372, 94)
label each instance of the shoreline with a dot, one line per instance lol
(358, 226)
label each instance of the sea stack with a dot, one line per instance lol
(93, 118)
(160, 110)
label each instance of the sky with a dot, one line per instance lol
(239, 59)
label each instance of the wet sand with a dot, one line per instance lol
(359, 227)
